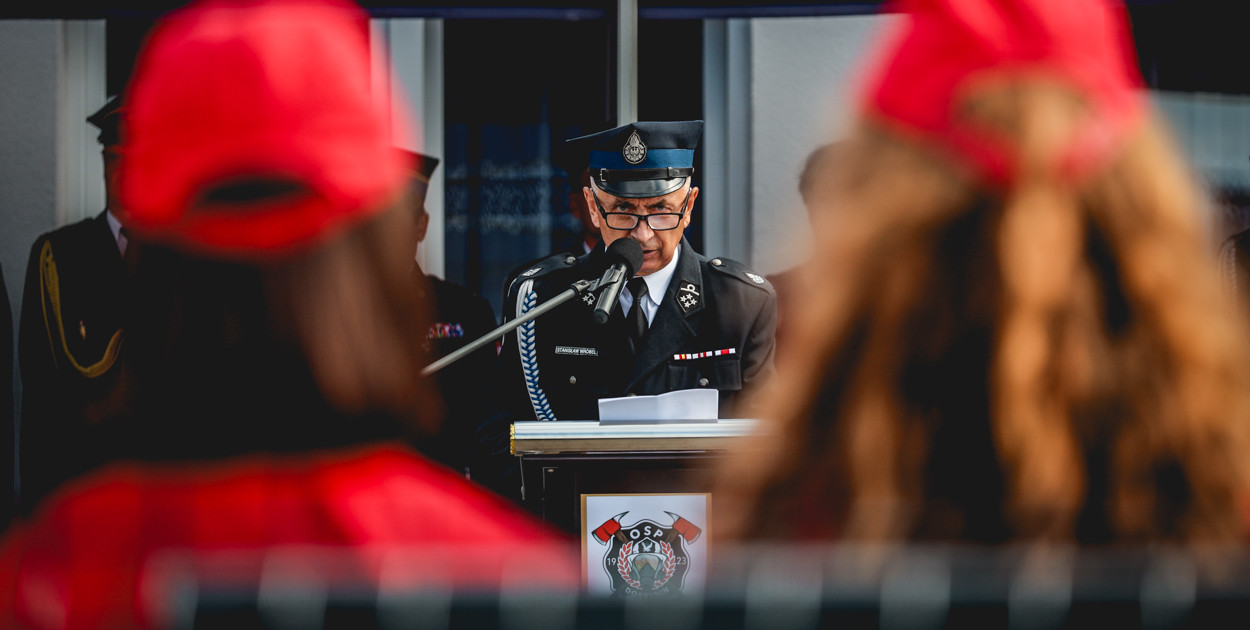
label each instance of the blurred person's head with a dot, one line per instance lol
(1022, 335)
(420, 170)
(815, 177)
(572, 157)
(816, 181)
(643, 169)
(579, 209)
(274, 309)
(107, 119)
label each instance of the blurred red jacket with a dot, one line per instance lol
(95, 554)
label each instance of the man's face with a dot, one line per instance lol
(658, 246)
(421, 218)
(111, 159)
(583, 212)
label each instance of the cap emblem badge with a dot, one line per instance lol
(634, 151)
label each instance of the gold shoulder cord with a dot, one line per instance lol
(50, 286)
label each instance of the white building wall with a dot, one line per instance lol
(1214, 129)
(805, 73)
(803, 77)
(415, 53)
(799, 76)
(29, 85)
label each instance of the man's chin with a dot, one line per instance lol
(650, 262)
(647, 268)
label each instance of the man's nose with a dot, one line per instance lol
(642, 232)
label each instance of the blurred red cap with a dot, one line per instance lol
(944, 49)
(235, 90)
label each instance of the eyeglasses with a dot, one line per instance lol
(627, 221)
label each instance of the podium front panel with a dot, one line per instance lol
(565, 460)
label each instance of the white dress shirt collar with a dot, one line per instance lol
(657, 286)
(116, 227)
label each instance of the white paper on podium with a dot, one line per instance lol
(683, 405)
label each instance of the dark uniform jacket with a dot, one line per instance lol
(711, 305)
(578, 249)
(559, 366)
(70, 339)
(461, 316)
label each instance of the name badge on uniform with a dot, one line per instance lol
(577, 352)
(448, 330)
(703, 355)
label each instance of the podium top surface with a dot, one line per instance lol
(588, 436)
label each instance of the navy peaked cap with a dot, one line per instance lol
(420, 166)
(106, 119)
(642, 159)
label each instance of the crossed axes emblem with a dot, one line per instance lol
(611, 528)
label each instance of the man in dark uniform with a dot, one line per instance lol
(685, 322)
(71, 336)
(460, 316)
(573, 160)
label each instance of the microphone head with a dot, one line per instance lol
(625, 250)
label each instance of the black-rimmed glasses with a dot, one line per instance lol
(627, 221)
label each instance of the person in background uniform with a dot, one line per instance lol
(813, 189)
(273, 371)
(461, 316)
(71, 337)
(572, 159)
(685, 322)
(8, 449)
(1021, 336)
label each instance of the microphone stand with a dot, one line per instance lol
(576, 289)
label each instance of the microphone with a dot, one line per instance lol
(624, 258)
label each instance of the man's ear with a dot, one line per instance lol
(591, 207)
(694, 194)
(423, 224)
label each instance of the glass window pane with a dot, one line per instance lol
(515, 90)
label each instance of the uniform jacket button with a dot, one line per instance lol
(703, 382)
(572, 380)
(717, 262)
(570, 260)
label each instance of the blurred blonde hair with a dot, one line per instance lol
(1049, 361)
(322, 348)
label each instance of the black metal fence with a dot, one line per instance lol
(774, 588)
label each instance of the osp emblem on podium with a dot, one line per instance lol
(644, 544)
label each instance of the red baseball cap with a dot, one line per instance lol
(944, 49)
(277, 90)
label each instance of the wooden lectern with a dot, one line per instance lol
(561, 461)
